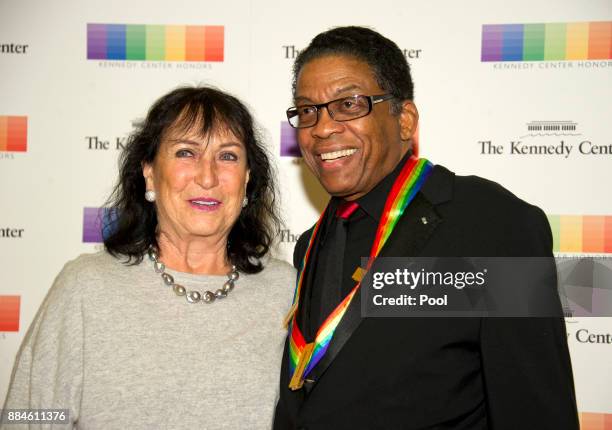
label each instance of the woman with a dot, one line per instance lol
(177, 324)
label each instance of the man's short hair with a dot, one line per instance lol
(384, 57)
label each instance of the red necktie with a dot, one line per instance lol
(346, 209)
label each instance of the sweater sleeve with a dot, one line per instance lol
(48, 371)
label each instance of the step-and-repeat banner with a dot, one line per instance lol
(518, 92)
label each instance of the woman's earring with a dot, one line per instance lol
(150, 196)
(245, 202)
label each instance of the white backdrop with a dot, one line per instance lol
(70, 100)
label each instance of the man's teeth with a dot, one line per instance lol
(200, 202)
(337, 154)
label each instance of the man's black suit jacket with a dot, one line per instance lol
(443, 373)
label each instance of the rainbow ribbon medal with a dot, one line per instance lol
(303, 357)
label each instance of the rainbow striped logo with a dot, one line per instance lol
(155, 42)
(547, 42)
(9, 313)
(13, 133)
(97, 224)
(581, 233)
(595, 421)
(288, 141)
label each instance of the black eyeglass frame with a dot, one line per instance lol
(372, 100)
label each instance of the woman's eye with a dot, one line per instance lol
(228, 156)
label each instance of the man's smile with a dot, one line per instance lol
(331, 156)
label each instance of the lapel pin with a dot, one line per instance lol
(424, 220)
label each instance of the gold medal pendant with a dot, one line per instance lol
(297, 380)
(359, 274)
(289, 315)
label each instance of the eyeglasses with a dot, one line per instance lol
(344, 109)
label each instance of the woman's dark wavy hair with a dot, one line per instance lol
(133, 226)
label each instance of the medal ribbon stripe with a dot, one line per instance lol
(326, 331)
(405, 187)
(298, 288)
(296, 340)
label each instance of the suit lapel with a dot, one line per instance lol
(413, 229)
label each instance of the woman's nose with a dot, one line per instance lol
(206, 176)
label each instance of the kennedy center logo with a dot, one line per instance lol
(551, 128)
(9, 313)
(13, 133)
(562, 139)
(195, 43)
(547, 42)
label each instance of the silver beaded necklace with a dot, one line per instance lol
(192, 296)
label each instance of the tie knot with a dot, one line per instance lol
(346, 209)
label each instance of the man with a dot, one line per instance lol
(355, 118)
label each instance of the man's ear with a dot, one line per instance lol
(409, 119)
